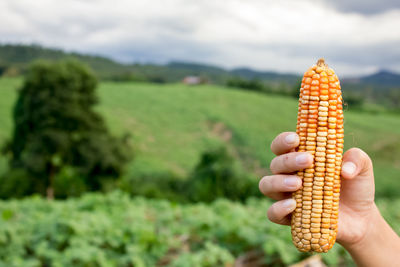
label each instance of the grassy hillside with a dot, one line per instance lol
(172, 124)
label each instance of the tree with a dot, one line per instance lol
(56, 126)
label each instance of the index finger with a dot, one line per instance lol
(284, 143)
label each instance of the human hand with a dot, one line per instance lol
(356, 208)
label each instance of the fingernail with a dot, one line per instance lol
(302, 159)
(291, 138)
(349, 167)
(289, 204)
(292, 182)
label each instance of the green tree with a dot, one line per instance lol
(56, 126)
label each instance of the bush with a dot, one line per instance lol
(69, 183)
(253, 85)
(129, 77)
(219, 175)
(295, 90)
(16, 183)
(163, 185)
(353, 101)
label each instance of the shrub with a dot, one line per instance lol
(17, 183)
(219, 175)
(69, 183)
(253, 85)
(162, 185)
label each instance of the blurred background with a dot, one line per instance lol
(134, 133)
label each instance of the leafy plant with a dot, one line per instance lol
(116, 230)
(218, 175)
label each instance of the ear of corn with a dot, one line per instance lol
(320, 127)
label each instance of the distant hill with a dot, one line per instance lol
(265, 75)
(20, 56)
(15, 59)
(382, 87)
(382, 78)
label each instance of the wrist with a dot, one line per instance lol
(374, 224)
(379, 246)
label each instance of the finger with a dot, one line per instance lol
(284, 143)
(356, 163)
(279, 212)
(291, 162)
(278, 186)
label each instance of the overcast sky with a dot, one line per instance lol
(355, 37)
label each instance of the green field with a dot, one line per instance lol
(172, 124)
(116, 230)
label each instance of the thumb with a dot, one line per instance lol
(358, 186)
(356, 163)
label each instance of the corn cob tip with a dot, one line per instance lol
(321, 63)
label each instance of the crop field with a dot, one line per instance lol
(116, 230)
(172, 124)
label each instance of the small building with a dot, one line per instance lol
(192, 80)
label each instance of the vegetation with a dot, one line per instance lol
(56, 127)
(200, 143)
(253, 85)
(219, 175)
(172, 125)
(115, 230)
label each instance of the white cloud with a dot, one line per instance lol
(285, 35)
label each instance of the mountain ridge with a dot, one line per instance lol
(20, 56)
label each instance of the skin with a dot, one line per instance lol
(362, 231)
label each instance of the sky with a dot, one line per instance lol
(355, 37)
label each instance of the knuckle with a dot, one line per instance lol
(261, 185)
(278, 144)
(286, 161)
(272, 165)
(271, 213)
(366, 160)
(362, 155)
(267, 185)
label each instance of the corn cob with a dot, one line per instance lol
(320, 127)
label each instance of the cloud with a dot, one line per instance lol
(365, 7)
(285, 35)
